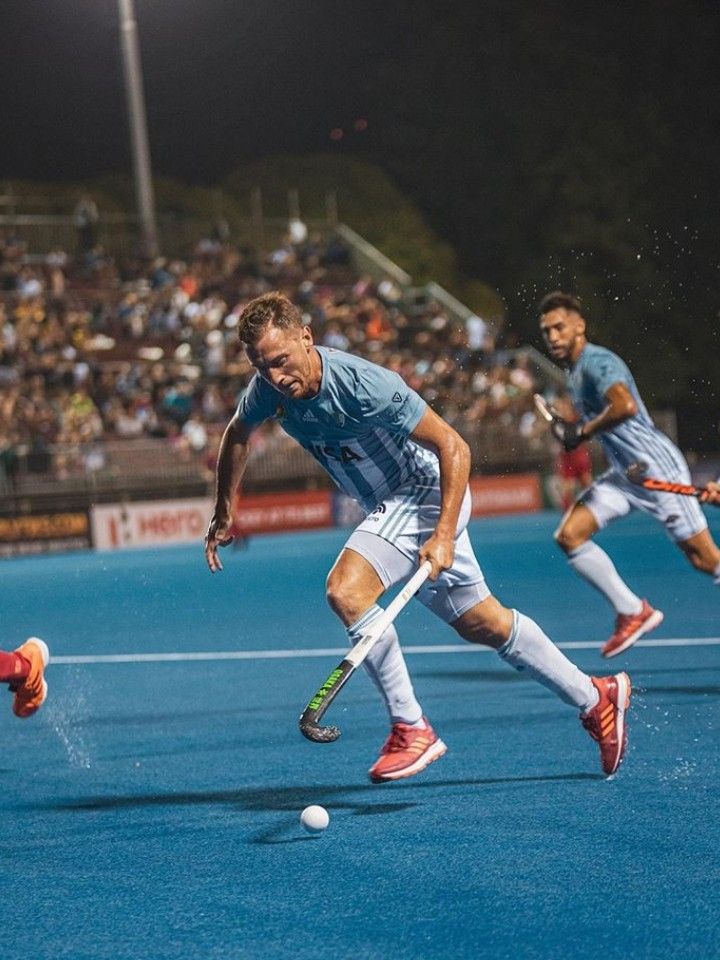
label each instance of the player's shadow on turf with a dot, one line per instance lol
(288, 799)
(374, 808)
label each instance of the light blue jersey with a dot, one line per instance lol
(357, 426)
(637, 438)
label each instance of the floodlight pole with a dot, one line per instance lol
(138, 126)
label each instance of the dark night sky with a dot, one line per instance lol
(228, 81)
(225, 81)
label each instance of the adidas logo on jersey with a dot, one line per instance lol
(309, 417)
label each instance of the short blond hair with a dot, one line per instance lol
(271, 309)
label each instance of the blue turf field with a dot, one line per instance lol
(150, 810)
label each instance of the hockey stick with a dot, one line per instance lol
(636, 473)
(310, 720)
(545, 411)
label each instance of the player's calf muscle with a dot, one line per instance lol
(575, 530)
(488, 623)
(702, 552)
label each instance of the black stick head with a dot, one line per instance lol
(311, 716)
(313, 731)
(637, 472)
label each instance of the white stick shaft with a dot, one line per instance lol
(379, 626)
(542, 408)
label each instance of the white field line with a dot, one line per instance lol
(341, 651)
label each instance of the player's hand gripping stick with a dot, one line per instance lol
(569, 433)
(313, 713)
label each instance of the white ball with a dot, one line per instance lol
(315, 818)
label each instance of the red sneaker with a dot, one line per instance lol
(606, 721)
(630, 627)
(30, 693)
(407, 751)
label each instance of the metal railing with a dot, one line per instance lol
(98, 472)
(77, 475)
(368, 259)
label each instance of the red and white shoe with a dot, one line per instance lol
(407, 751)
(30, 693)
(630, 627)
(606, 721)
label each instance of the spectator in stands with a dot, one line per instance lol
(297, 232)
(476, 329)
(177, 402)
(374, 318)
(194, 433)
(9, 463)
(86, 219)
(335, 338)
(80, 418)
(122, 415)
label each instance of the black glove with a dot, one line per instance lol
(569, 434)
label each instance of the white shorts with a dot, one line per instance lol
(390, 537)
(613, 496)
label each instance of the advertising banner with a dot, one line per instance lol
(121, 526)
(511, 493)
(275, 512)
(150, 523)
(43, 533)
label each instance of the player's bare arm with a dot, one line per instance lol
(232, 460)
(621, 406)
(454, 456)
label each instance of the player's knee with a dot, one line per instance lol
(336, 594)
(343, 599)
(567, 538)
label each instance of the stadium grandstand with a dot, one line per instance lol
(118, 373)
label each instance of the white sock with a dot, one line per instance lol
(530, 649)
(716, 575)
(595, 566)
(387, 669)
